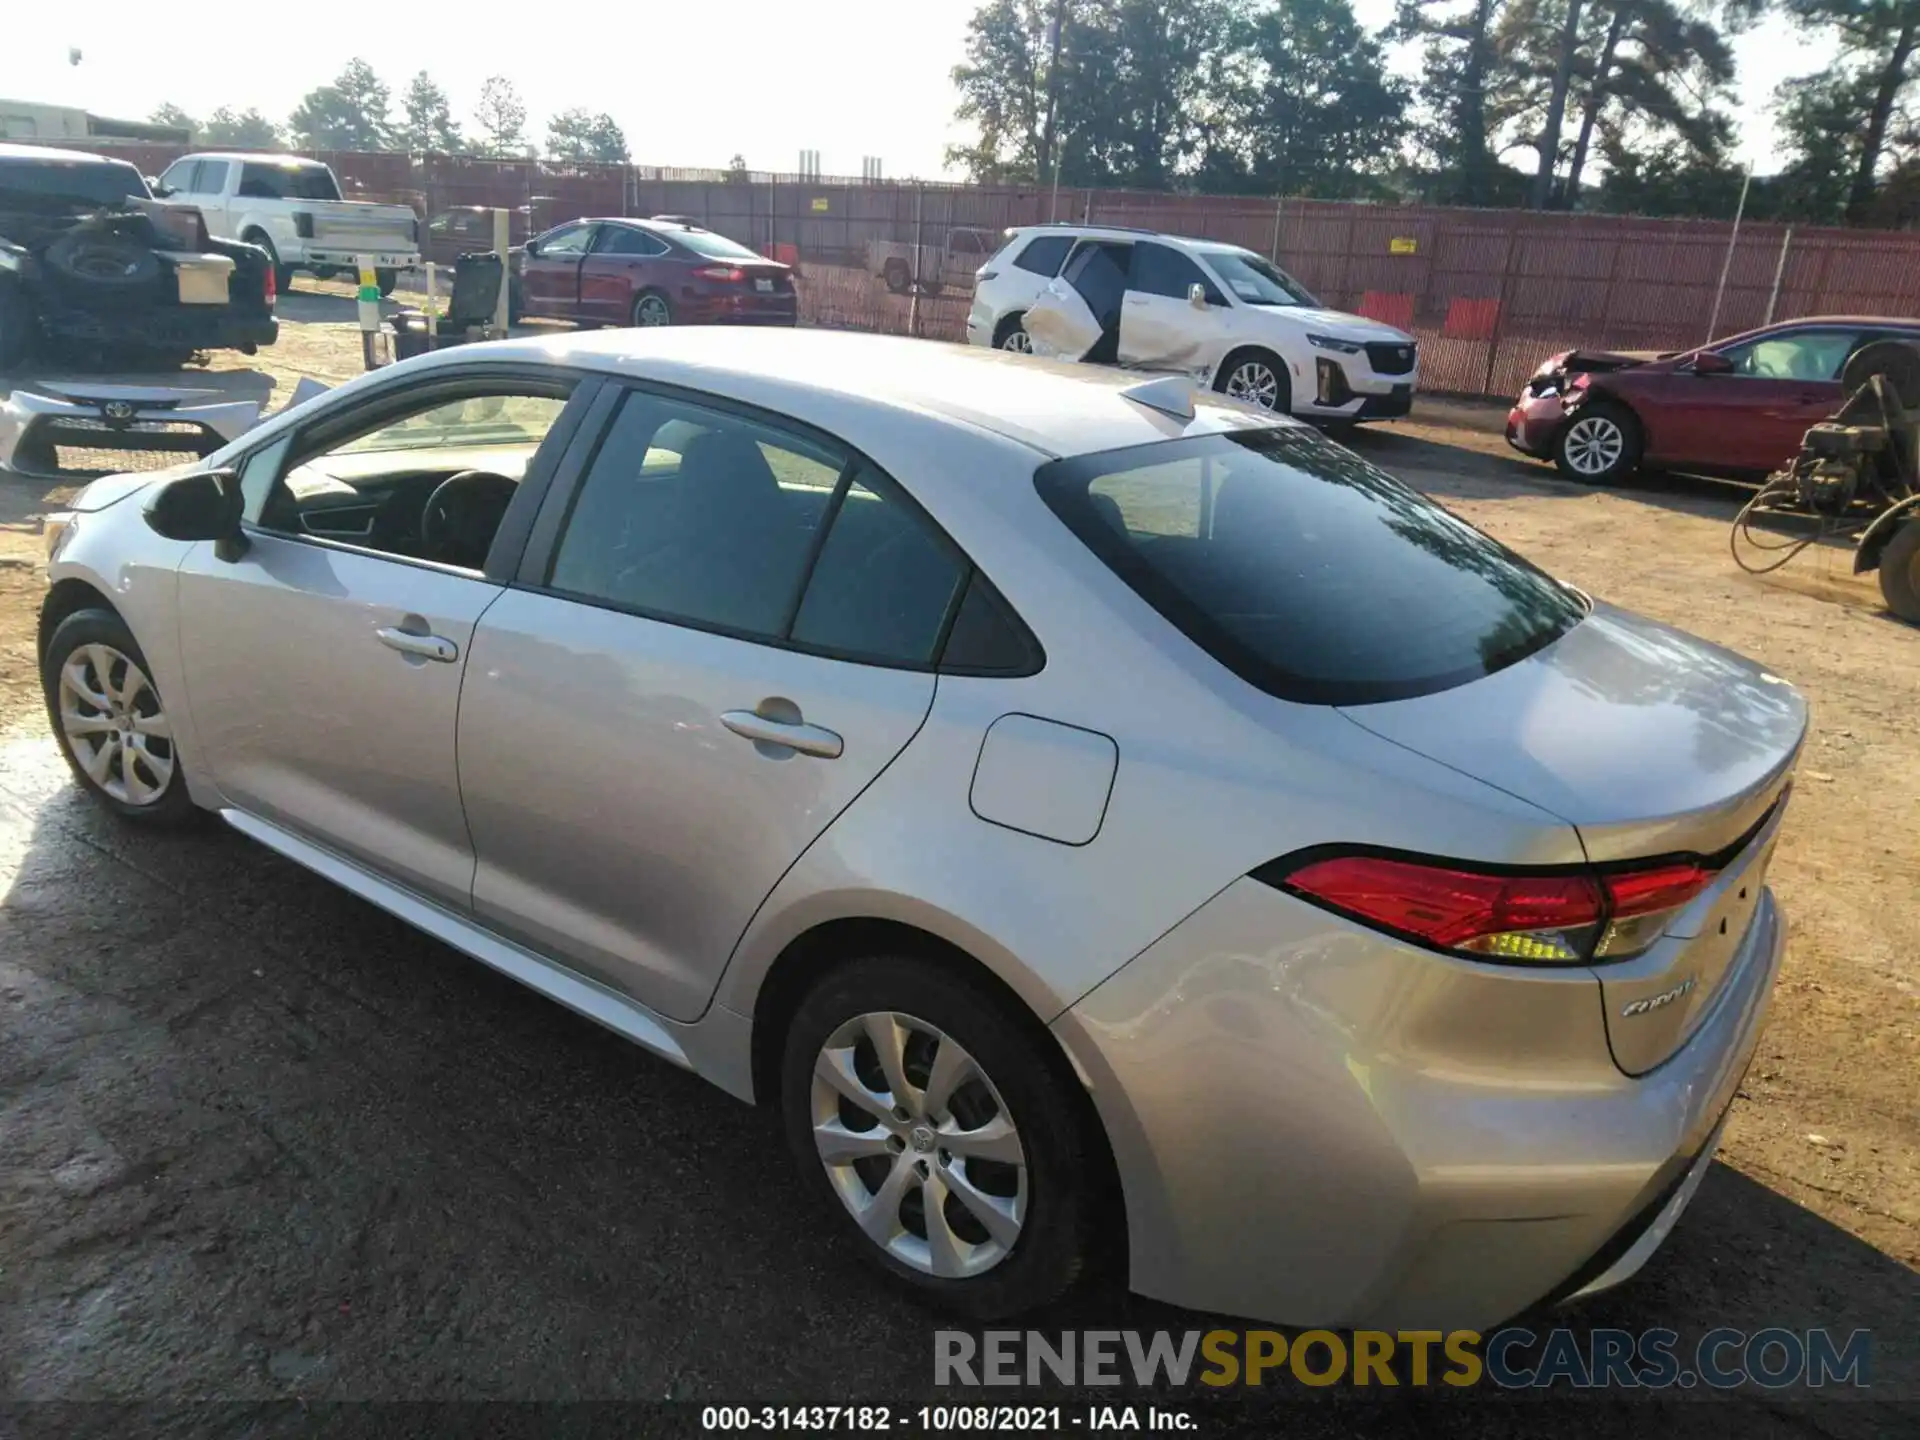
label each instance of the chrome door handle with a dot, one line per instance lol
(428, 647)
(795, 735)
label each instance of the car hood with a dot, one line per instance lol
(1335, 323)
(1647, 740)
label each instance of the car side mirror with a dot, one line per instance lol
(160, 192)
(1712, 362)
(1197, 296)
(204, 506)
(533, 247)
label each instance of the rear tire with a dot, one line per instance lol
(1900, 572)
(903, 1148)
(650, 309)
(1012, 334)
(1600, 445)
(107, 715)
(898, 277)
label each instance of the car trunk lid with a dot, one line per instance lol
(1650, 743)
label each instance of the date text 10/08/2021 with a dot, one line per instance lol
(1037, 1419)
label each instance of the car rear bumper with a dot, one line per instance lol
(1534, 423)
(350, 259)
(1318, 1125)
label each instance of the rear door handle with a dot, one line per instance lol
(795, 735)
(428, 647)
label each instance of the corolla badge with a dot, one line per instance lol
(1655, 1002)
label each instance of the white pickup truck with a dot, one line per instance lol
(291, 208)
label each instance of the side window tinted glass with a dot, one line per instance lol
(697, 515)
(1159, 270)
(987, 638)
(618, 240)
(884, 581)
(1043, 256)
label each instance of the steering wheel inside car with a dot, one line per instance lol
(460, 517)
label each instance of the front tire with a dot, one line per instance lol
(282, 274)
(932, 1120)
(1900, 572)
(899, 279)
(110, 721)
(1258, 378)
(386, 278)
(1599, 446)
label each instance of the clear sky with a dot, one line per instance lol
(690, 85)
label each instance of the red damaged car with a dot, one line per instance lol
(1737, 407)
(652, 272)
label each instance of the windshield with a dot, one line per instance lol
(86, 183)
(1306, 570)
(715, 247)
(1254, 281)
(288, 182)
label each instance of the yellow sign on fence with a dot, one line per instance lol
(819, 204)
(1403, 245)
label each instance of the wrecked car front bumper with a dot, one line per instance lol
(115, 420)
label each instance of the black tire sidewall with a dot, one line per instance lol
(1014, 324)
(1057, 1235)
(92, 626)
(1629, 460)
(1898, 561)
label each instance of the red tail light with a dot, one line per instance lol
(273, 288)
(731, 273)
(1552, 917)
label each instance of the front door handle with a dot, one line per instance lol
(793, 734)
(427, 647)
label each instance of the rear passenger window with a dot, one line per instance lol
(713, 519)
(699, 516)
(884, 582)
(1043, 256)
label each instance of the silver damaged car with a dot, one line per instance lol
(1082, 806)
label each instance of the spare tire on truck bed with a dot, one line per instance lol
(102, 260)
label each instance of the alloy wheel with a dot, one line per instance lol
(919, 1145)
(1594, 445)
(1018, 341)
(651, 310)
(1254, 382)
(115, 726)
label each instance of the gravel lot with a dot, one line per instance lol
(261, 1144)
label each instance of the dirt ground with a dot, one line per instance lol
(1815, 1209)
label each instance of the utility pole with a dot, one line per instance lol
(1047, 149)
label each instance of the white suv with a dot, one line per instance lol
(1219, 313)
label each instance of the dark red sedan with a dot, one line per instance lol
(651, 272)
(1736, 407)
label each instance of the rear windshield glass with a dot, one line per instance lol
(288, 182)
(64, 183)
(1307, 571)
(1255, 281)
(716, 247)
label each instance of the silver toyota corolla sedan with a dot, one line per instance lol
(1072, 801)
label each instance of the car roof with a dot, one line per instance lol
(254, 157)
(49, 152)
(835, 378)
(1125, 232)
